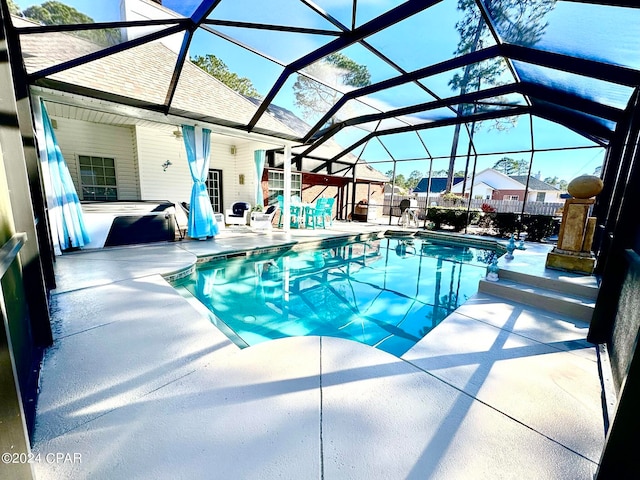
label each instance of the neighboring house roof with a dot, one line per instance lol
(438, 184)
(534, 183)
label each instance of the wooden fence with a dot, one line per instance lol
(502, 206)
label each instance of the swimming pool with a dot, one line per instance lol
(387, 292)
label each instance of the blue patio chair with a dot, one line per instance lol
(329, 211)
(295, 211)
(314, 215)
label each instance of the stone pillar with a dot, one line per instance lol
(573, 252)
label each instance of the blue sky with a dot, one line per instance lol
(437, 42)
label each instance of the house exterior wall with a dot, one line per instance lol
(234, 166)
(141, 151)
(139, 154)
(488, 180)
(376, 193)
(498, 180)
(481, 190)
(76, 138)
(501, 194)
(550, 196)
(310, 193)
(154, 147)
(492, 178)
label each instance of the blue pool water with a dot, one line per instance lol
(388, 293)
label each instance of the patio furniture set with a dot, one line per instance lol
(307, 215)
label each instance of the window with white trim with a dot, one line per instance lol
(276, 185)
(98, 178)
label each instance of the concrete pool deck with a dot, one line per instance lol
(139, 385)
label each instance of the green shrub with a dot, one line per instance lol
(507, 223)
(538, 226)
(436, 216)
(486, 220)
(452, 216)
(455, 199)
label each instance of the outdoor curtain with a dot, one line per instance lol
(259, 157)
(64, 205)
(197, 141)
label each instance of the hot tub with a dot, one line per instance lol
(128, 222)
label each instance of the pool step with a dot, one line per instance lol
(579, 285)
(554, 296)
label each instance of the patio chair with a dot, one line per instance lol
(408, 213)
(263, 220)
(314, 214)
(295, 211)
(404, 204)
(238, 213)
(328, 213)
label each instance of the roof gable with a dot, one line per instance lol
(534, 183)
(497, 180)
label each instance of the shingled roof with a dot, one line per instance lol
(143, 73)
(534, 183)
(438, 184)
